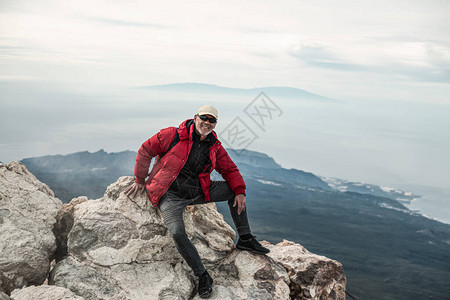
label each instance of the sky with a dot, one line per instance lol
(345, 49)
(69, 69)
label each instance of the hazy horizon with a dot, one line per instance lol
(69, 72)
(395, 144)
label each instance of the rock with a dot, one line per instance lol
(116, 229)
(244, 275)
(3, 296)
(46, 292)
(312, 276)
(28, 212)
(123, 281)
(119, 248)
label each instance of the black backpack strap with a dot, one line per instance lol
(174, 142)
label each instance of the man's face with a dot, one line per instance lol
(204, 127)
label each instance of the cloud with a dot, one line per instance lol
(259, 30)
(423, 62)
(321, 57)
(418, 74)
(8, 51)
(118, 22)
(140, 42)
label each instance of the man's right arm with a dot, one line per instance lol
(143, 160)
(156, 145)
(144, 157)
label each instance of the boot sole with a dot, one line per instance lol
(206, 295)
(250, 249)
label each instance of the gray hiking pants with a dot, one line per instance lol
(172, 208)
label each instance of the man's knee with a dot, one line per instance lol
(178, 233)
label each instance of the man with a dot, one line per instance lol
(181, 176)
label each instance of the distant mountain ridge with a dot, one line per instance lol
(86, 172)
(82, 161)
(203, 88)
(260, 166)
(95, 171)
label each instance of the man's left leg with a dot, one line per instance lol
(220, 191)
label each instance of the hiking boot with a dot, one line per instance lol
(204, 285)
(252, 245)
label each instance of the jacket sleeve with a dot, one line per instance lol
(156, 145)
(229, 171)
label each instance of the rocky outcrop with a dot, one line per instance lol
(117, 247)
(28, 211)
(312, 276)
(47, 292)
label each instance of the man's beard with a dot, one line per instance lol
(204, 130)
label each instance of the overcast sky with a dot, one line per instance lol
(343, 49)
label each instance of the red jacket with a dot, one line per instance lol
(169, 166)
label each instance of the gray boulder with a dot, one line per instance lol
(47, 292)
(119, 248)
(312, 276)
(28, 212)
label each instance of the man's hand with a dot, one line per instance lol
(134, 189)
(240, 201)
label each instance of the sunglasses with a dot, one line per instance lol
(205, 118)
